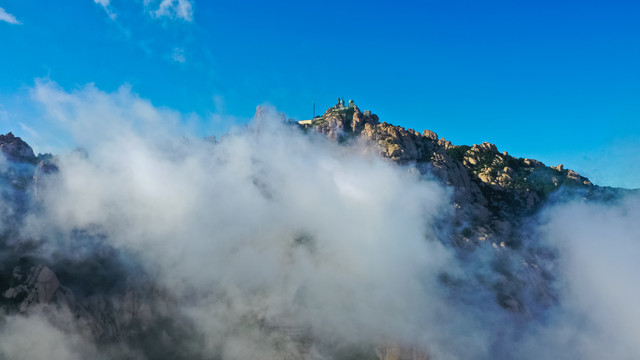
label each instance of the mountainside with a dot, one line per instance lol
(73, 253)
(492, 189)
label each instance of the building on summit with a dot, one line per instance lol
(340, 105)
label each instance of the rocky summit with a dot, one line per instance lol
(78, 277)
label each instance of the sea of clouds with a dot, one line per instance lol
(270, 227)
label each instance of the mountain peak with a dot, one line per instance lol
(15, 149)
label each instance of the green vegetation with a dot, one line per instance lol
(356, 352)
(319, 120)
(424, 154)
(543, 180)
(515, 163)
(467, 232)
(520, 181)
(457, 152)
(485, 159)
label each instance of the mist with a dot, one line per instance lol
(598, 246)
(274, 243)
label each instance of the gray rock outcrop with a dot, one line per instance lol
(15, 149)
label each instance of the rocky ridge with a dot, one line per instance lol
(492, 190)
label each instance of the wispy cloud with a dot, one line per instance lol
(178, 56)
(29, 130)
(107, 8)
(5, 16)
(174, 9)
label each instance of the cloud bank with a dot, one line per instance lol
(598, 247)
(267, 225)
(271, 243)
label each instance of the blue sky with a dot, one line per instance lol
(558, 81)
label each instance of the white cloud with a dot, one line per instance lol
(107, 8)
(90, 112)
(35, 338)
(29, 130)
(178, 55)
(598, 316)
(5, 16)
(269, 223)
(273, 226)
(173, 9)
